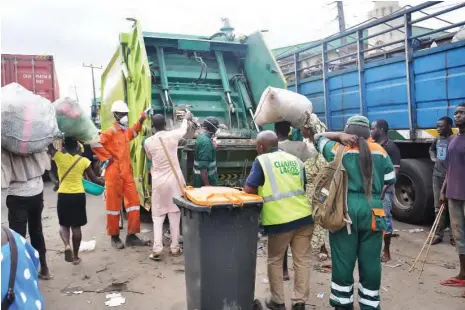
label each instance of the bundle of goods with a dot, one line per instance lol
(277, 105)
(28, 121)
(73, 122)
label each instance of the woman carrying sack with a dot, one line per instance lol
(71, 204)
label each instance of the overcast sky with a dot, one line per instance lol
(85, 31)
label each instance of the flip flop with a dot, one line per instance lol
(155, 257)
(453, 282)
(68, 254)
(176, 254)
(45, 277)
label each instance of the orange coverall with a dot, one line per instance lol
(119, 181)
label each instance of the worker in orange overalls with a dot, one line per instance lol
(113, 150)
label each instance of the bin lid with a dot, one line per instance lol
(209, 196)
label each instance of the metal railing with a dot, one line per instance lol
(357, 49)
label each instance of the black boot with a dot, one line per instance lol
(298, 306)
(133, 240)
(116, 242)
(274, 306)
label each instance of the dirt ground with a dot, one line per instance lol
(160, 285)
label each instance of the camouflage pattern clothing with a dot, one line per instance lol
(312, 168)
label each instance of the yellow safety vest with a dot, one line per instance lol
(283, 192)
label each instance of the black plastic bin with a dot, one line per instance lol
(220, 255)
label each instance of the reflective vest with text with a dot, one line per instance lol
(283, 192)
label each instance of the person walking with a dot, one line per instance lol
(71, 203)
(279, 178)
(164, 183)
(438, 153)
(114, 150)
(379, 133)
(368, 169)
(299, 149)
(22, 175)
(205, 170)
(453, 191)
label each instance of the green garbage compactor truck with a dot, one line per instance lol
(222, 75)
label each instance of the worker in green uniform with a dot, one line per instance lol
(368, 168)
(205, 171)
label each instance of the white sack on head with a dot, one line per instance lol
(28, 120)
(277, 105)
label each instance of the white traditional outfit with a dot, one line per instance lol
(164, 184)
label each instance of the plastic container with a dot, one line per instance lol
(92, 188)
(220, 248)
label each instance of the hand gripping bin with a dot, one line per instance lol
(220, 232)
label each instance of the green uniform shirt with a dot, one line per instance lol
(205, 158)
(383, 170)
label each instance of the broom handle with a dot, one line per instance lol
(181, 187)
(436, 220)
(441, 210)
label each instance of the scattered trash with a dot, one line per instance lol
(78, 292)
(265, 281)
(416, 230)
(87, 246)
(320, 295)
(449, 265)
(160, 275)
(114, 300)
(385, 289)
(179, 270)
(145, 231)
(392, 266)
(327, 268)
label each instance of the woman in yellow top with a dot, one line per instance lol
(71, 205)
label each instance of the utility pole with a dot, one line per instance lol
(340, 16)
(93, 107)
(342, 22)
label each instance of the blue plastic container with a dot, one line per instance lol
(92, 188)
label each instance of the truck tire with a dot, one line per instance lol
(413, 198)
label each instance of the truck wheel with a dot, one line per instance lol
(413, 198)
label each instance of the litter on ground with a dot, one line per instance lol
(114, 300)
(87, 246)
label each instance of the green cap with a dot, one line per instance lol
(358, 120)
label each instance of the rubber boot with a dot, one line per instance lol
(298, 306)
(274, 306)
(116, 242)
(133, 240)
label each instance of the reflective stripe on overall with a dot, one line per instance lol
(283, 189)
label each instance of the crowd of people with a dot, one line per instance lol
(370, 159)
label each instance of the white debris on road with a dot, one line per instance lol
(114, 300)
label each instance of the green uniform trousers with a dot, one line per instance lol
(363, 244)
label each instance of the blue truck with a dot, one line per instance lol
(410, 82)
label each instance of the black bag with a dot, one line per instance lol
(7, 237)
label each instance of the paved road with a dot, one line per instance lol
(161, 285)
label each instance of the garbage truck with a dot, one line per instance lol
(221, 75)
(388, 68)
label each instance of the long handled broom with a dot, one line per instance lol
(428, 241)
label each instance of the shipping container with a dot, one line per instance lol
(410, 86)
(22, 68)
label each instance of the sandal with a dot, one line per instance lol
(68, 254)
(76, 261)
(45, 277)
(176, 254)
(322, 257)
(155, 256)
(453, 282)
